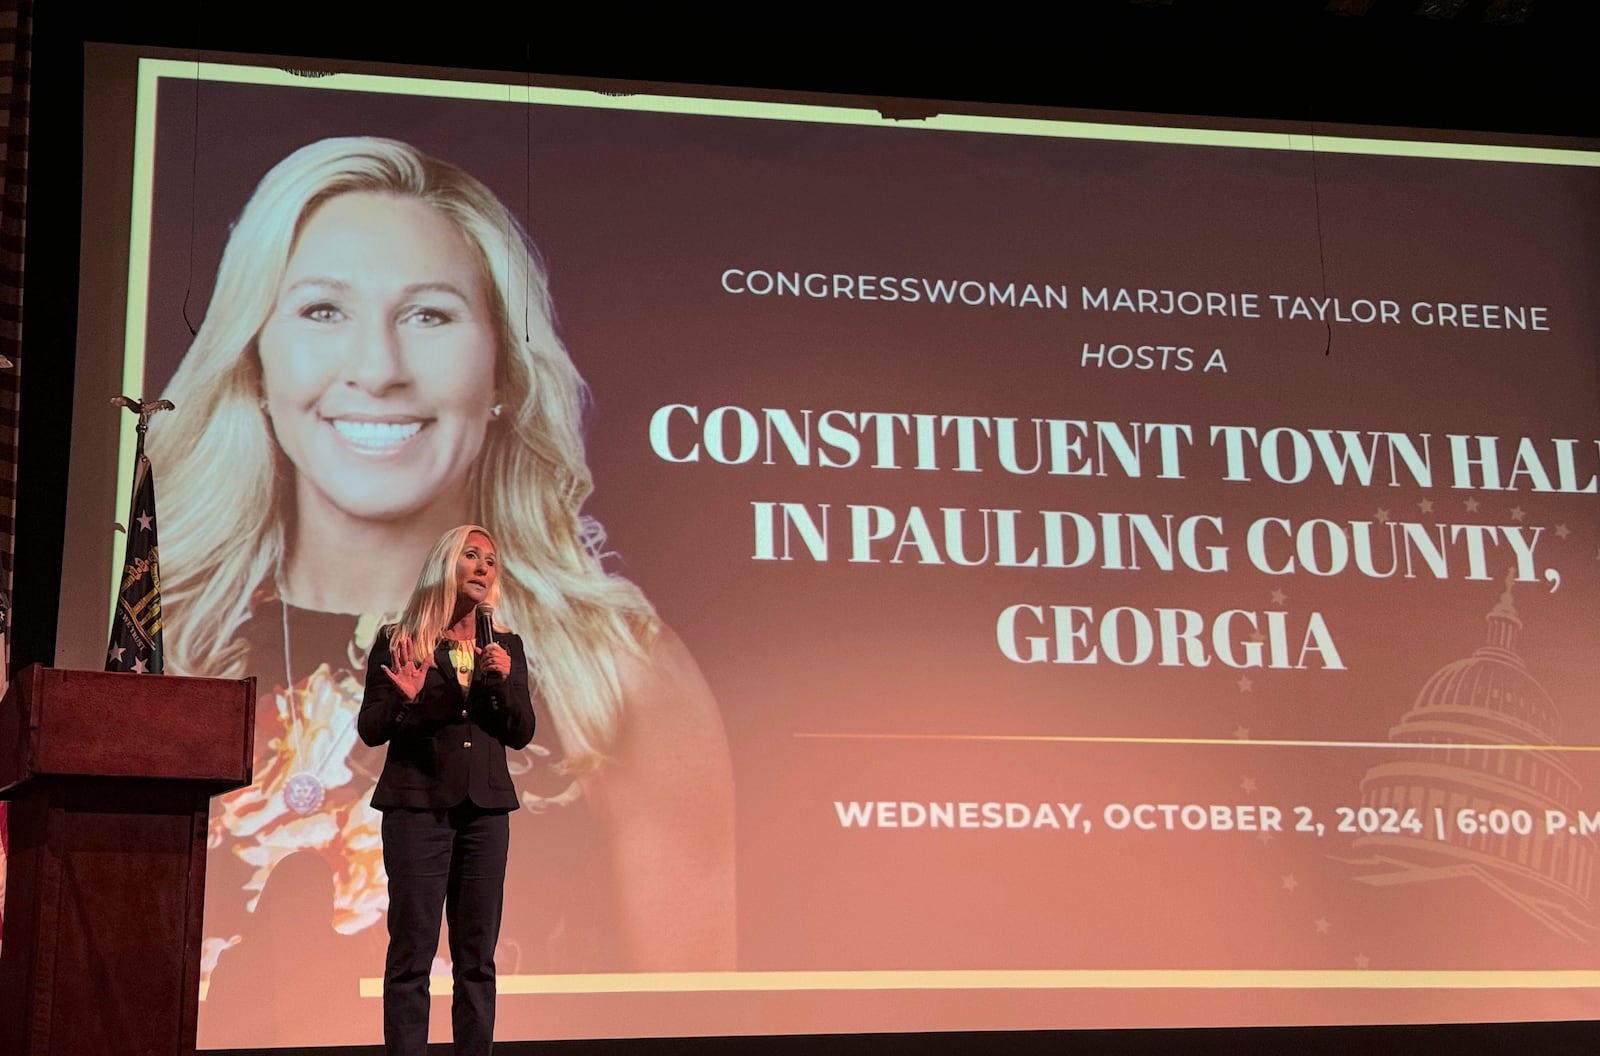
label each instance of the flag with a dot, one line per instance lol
(136, 627)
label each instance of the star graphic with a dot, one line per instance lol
(1562, 531)
(1264, 837)
(1290, 883)
(1472, 505)
(1426, 505)
(1362, 962)
(138, 667)
(1244, 684)
(1517, 514)
(145, 520)
(1323, 926)
(115, 655)
(1279, 597)
(1241, 733)
(1248, 784)
(1382, 516)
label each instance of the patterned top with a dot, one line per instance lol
(461, 656)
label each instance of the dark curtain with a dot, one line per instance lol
(16, 30)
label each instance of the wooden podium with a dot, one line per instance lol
(109, 777)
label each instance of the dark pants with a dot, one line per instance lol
(454, 860)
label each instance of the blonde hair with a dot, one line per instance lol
(226, 485)
(430, 610)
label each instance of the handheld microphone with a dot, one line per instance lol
(483, 632)
(485, 624)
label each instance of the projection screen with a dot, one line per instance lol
(1109, 573)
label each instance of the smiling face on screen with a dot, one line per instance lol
(378, 360)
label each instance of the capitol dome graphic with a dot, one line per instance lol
(1491, 699)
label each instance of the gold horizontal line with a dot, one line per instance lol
(1308, 141)
(1236, 742)
(1027, 979)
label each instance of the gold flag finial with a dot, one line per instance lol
(143, 408)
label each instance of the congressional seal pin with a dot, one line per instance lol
(303, 793)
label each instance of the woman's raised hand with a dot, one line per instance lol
(408, 672)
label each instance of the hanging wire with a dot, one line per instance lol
(1322, 249)
(194, 196)
(527, 170)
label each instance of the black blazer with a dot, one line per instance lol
(448, 745)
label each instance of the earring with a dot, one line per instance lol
(262, 403)
(494, 412)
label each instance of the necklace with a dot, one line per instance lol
(304, 792)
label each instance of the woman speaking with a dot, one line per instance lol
(448, 700)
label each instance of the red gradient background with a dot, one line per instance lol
(637, 216)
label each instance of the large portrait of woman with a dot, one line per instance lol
(379, 361)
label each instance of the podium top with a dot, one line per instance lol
(101, 724)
